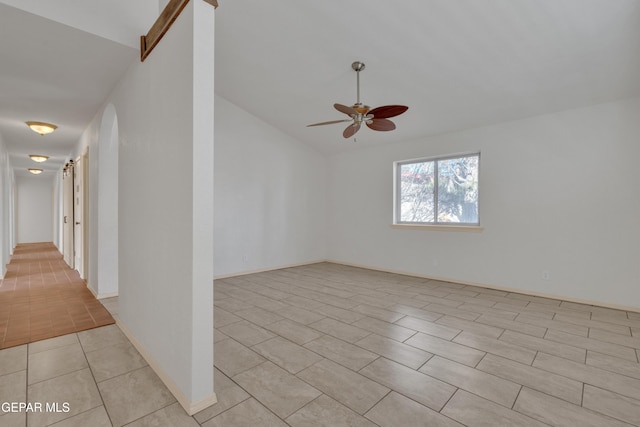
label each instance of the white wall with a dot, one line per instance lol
(270, 195)
(34, 214)
(558, 193)
(165, 202)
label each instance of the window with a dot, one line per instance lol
(437, 191)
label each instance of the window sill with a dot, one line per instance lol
(439, 227)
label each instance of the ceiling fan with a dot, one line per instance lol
(376, 118)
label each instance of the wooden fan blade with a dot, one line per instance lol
(381, 124)
(351, 130)
(387, 111)
(344, 109)
(331, 122)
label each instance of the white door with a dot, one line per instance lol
(67, 214)
(79, 215)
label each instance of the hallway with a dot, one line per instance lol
(41, 297)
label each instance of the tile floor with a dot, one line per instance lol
(41, 297)
(330, 345)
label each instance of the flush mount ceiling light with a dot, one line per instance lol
(35, 171)
(41, 127)
(38, 158)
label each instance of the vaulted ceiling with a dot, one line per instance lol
(457, 64)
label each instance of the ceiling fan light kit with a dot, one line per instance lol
(375, 119)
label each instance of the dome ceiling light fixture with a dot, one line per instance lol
(41, 128)
(38, 158)
(35, 171)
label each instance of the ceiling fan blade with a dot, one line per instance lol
(351, 130)
(387, 111)
(381, 124)
(330, 123)
(344, 109)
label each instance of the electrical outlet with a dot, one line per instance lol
(545, 275)
(245, 258)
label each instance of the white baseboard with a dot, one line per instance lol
(190, 407)
(262, 270)
(102, 296)
(495, 287)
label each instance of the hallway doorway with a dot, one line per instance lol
(41, 297)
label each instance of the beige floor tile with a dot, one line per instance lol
(613, 364)
(512, 325)
(547, 346)
(447, 349)
(394, 350)
(349, 355)
(170, 416)
(294, 331)
(286, 354)
(134, 395)
(231, 304)
(13, 388)
(427, 327)
(594, 324)
(300, 315)
(53, 363)
(98, 338)
(445, 309)
(223, 318)
(483, 309)
(13, 419)
(115, 360)
(276, 389)
(246, 333)
(52, 343)
(612, 404)
(13, 359)
(339, 330)
(474, 411)
(556, 412)
(385, 329)
(423, 388)
(218, 336)
(396, 410)
(497, 347)
(78, 389)
(259, 316)
(541, 321)
(418, 313)
(338, 313)
(249, 413)
(347, 387)
(469, 326)
(607, 380)
(608, 337)
(228, 393)
(438, 300)
(592, 344)
(485, 385)
(231, 357)
(326, 412)
(378, 313)
(379, 301)
(96, 417)
(534, 378)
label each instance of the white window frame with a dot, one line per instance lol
(397, 183)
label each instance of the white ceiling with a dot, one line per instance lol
(457, 64)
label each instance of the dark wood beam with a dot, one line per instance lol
(162, 25)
